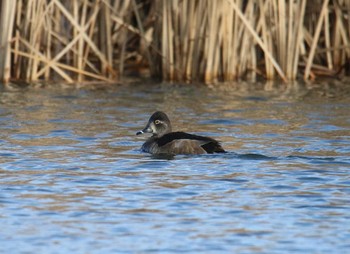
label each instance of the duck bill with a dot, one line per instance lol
(147, 129)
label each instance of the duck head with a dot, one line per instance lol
(158, 125)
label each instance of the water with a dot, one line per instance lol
(73, 178)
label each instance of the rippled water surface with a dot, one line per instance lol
(73, 179)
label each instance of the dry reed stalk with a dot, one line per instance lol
(265, 29)
(189, 48)
(119, 32)
(296, 15)
(246, 45)
(61, 66)
(163, 7)
(35, 35)
(297, 44)
(195, 24)
(79, 46)
(341, 33)
(328, 41)
(229, 30)
(143, 34)
(105, 29)
(212, 42)
(309, 62)
(7, 18)
(169, 50)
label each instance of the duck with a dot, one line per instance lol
(164, 141)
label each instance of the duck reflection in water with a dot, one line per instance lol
(164, 141)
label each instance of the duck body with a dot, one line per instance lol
(164, 141)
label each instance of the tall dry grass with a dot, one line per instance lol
(71, 40)
(327, 40)
(205, 40)
(7, 14)
(179, 40)
(230, 39)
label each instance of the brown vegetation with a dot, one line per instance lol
(178, 40)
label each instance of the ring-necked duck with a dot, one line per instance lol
(163, 141)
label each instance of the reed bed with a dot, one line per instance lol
(231, 39)
(69, 40)
(178, 40)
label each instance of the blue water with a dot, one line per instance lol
(73, 178)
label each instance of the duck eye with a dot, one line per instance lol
(157, 122)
